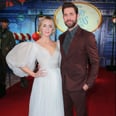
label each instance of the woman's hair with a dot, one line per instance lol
(69, 5)
(44, 18)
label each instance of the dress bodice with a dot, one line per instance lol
(47, 60)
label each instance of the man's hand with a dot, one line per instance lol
(85, 87)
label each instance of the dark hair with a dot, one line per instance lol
(4, 20)
(69, 5)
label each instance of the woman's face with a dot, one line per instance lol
(47, 27)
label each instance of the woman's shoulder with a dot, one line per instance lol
(25, 45)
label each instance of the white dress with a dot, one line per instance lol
(46, 95)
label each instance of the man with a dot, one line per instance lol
(80, 62)
(7, 42)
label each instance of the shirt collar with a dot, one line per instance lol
(72, 32)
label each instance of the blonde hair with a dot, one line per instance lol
(44, 18)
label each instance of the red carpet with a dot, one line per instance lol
(101, 98)
(16, 102)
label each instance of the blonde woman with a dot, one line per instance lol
(46, 96)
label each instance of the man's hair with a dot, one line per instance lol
(4, 20)
(69, 5)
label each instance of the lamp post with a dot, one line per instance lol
(39, 18)
(113, 61)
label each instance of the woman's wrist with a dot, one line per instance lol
(32, 74)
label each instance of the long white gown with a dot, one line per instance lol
(46, 95)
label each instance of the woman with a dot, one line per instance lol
(46, 96)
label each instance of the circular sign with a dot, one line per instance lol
(89, 17)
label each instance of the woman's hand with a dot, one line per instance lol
(41, 73)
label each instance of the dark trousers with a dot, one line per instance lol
(3, 72)
(75, 99)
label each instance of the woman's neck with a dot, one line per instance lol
(45, 39)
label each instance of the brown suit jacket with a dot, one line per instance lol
(81, 54)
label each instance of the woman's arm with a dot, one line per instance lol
(28, 71)
(39, 73)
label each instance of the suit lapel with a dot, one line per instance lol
(61, 43)
(72, 45)
(74, 42)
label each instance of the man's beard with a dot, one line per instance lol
(71, 25)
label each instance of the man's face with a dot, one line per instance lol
(4, 25)
(70, 17)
